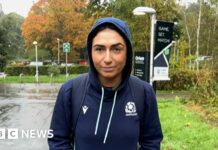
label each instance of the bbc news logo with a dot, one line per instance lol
(14, 133)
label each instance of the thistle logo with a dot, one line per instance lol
(130, 109)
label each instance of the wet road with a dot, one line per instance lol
(26, 108)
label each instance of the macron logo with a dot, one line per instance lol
(85, 108)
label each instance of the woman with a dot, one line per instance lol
(109, 117)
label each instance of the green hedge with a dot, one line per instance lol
(43, 70)
(179, 80)
(75, 69)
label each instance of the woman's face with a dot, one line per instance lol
(109, 54)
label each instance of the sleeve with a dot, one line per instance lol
(151, 132)
(61, 123)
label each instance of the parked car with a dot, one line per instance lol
(83, 62)
(2, 75)
(68, 64)
(33, 63)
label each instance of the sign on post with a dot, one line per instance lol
(141, 65)
(163, 42)
(66, 47)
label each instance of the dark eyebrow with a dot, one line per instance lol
(98, 45)
(114, 45)
(118, 44)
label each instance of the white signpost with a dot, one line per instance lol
(66, 49)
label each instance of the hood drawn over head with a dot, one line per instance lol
(123, 30)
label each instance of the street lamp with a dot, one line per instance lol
(142, 11)
(58, 50)
(37, 71)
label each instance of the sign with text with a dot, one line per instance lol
(141, 65)
(163, 42)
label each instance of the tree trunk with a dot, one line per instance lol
(208, 43)
(214, 32)
(198, 34)
(189, 39)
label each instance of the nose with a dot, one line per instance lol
(107, 58)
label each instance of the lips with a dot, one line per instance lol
(108, 69)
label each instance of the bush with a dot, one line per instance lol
(78, 69)
(55, 71)
(2, 62)
(44, 70)
(206, 88)
(180, 79)
(26, 70)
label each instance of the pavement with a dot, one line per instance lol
(26, 109)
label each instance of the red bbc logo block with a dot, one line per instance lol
(2, 133)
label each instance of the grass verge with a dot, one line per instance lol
(31, 79)
(184, 129)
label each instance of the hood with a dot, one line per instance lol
(123, 31)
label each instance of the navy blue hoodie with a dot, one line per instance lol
(108, 118)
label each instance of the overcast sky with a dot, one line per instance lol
(22, 7)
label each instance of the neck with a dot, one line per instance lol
(110, 82)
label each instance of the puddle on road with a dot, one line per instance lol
(6, 113)
(31, 91)
(25, 116)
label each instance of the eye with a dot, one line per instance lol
(99, 49)
(117, 49)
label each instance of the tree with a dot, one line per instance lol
(139, 25)
(52, 19)
(183, 11)
(200, 32)
(98, 8)
(11, 43)
(2, 50)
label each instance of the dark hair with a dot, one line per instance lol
(107, 26)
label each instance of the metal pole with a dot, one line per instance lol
(66, 65)
(177, 53)
(37, 71)
(153, 18)
(174, 53)
(58, 52)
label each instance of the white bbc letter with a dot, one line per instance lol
(2, 133)
(50, 134)
(12, 133)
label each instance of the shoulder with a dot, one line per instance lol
(68, 85)
(139, 85)
(136, 80)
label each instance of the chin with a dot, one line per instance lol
(108, 75)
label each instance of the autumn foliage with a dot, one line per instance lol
(52, 19)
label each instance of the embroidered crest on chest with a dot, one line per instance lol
(130, 109)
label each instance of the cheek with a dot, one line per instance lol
(122, 60)
(95, 59)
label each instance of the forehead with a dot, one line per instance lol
(108, 35)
